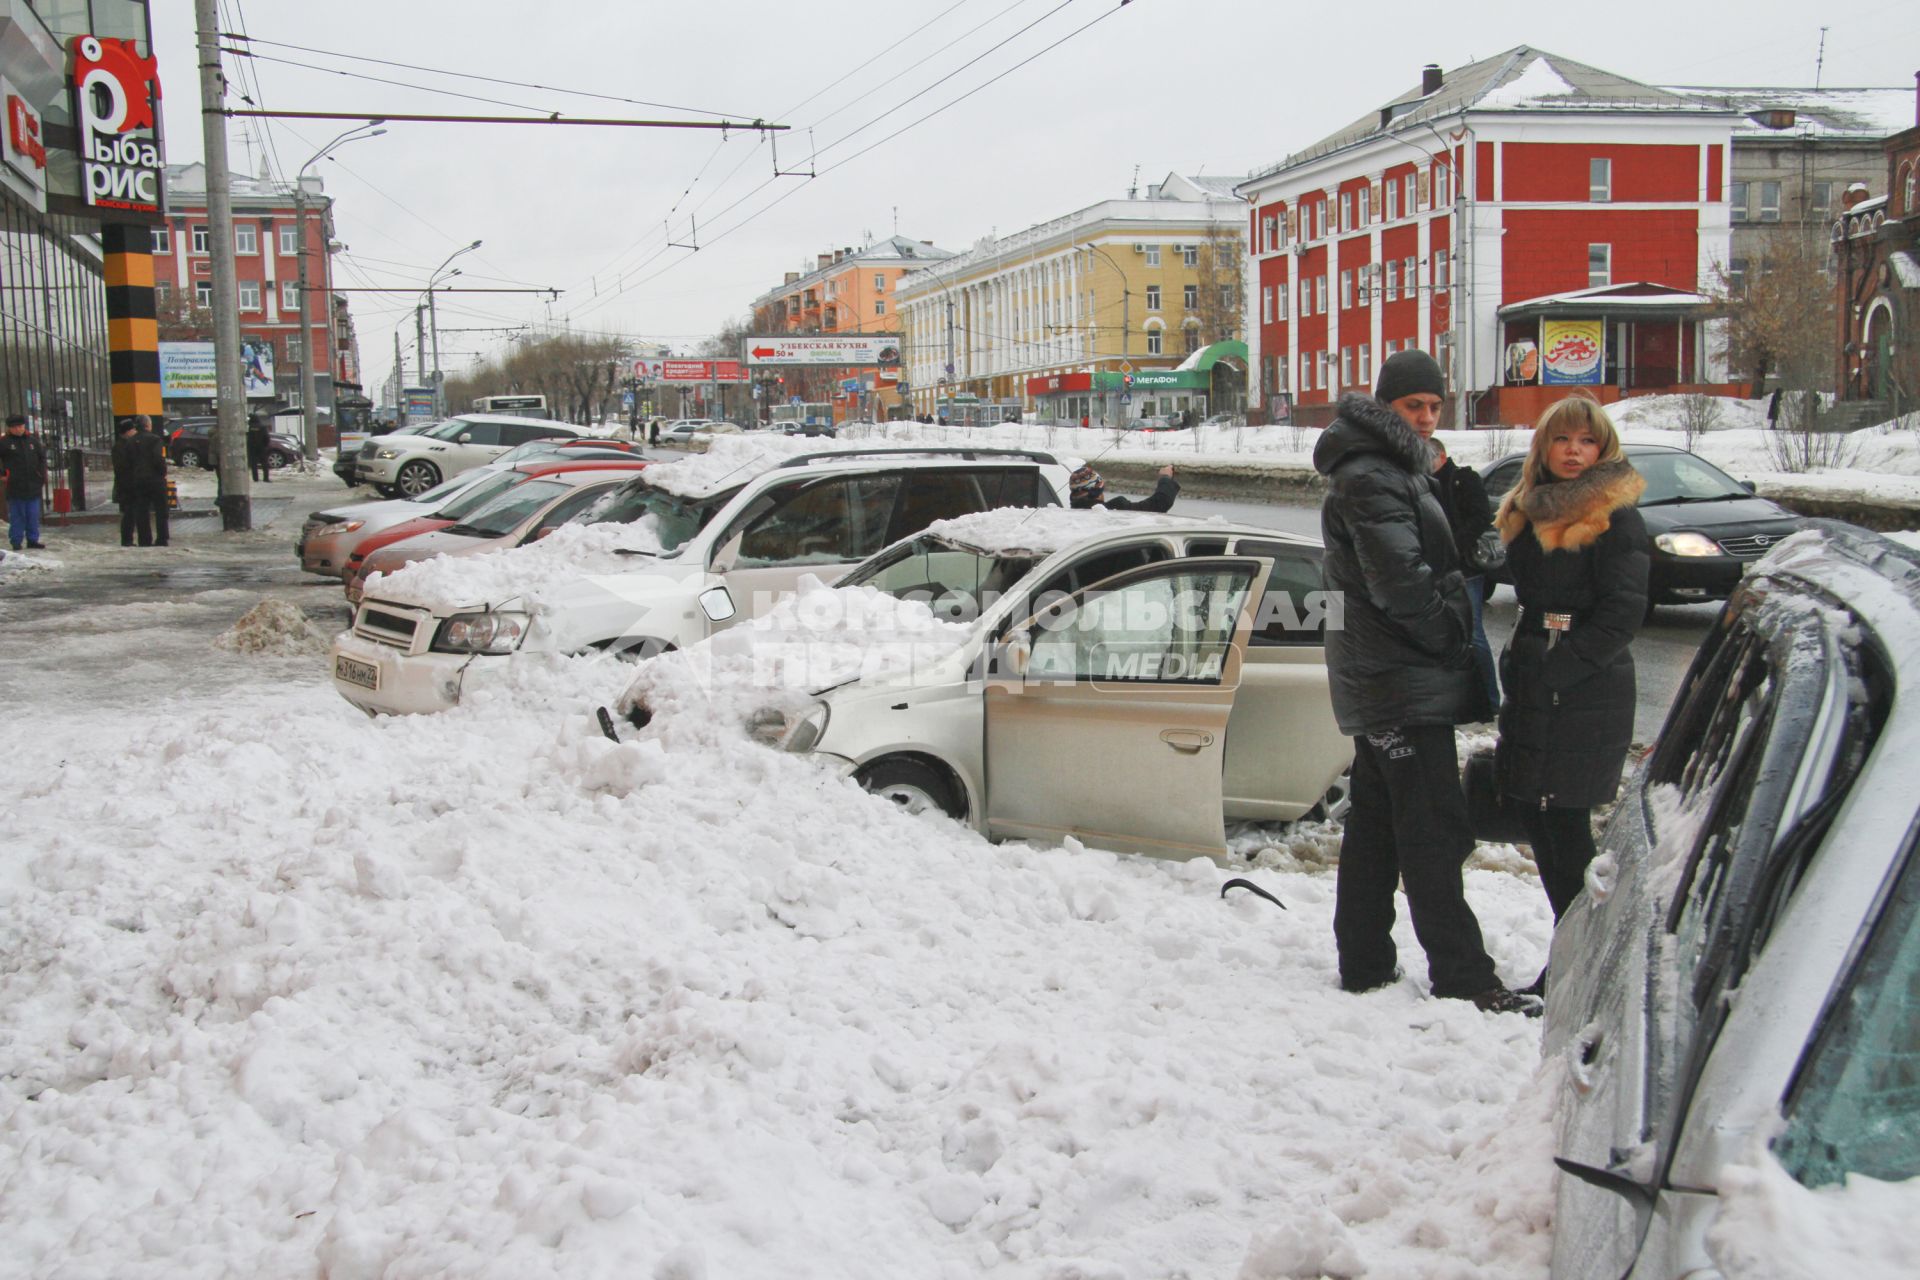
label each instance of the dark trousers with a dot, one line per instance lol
(257, 468)
(136, 517)
(1408, 823)
(1562, 841)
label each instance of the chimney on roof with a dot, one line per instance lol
(1430, 79)
(822, 260)
(792, 276)
(1853, 195)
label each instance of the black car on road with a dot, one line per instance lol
(1706, 526)
(190, 444)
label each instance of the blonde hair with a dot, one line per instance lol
(1578, 412)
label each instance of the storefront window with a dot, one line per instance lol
(53, 332)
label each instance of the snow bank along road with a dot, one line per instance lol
(285, 991)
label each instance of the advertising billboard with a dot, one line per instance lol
(187, 370)
(115, 93)
(1572, 352)
(881, 349)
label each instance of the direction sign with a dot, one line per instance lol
(1126, 399)
(853, 349)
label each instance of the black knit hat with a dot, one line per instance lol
(1408, 373)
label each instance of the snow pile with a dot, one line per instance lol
(273, 626)
(1769, 1227)
(760, 671)
(733, 460)
(24, 562)
(485, 994)
(1538, 81)
(516, 573)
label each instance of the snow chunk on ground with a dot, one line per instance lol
(23, 562)
(273, 626)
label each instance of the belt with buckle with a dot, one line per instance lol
(1552, 625)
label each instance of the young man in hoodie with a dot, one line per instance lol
(1401, 674)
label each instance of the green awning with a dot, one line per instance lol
(1208, 356)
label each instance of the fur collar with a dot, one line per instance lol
(1569, 514)
(1365, 425)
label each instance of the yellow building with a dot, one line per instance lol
(1054, 319)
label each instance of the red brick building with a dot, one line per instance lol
(1534, 223)
(1876, 245)
(267, 239)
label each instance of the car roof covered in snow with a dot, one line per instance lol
(733, 460)
(1041, 531)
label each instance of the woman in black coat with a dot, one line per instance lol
(1577, 553)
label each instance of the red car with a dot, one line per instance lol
(467, 503)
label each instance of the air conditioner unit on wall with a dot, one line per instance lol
(1139, 248)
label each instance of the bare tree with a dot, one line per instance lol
(1222, 284)
(1780, 316)
(1699, 413)
(180, 320)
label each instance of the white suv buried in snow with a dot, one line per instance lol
(637, 578)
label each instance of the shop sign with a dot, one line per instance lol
(23, 143)
(1058, 383)
(1171, 379)
(115, 93)
(882, 350)
(696, 370)
(1573, 352)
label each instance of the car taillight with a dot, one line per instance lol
(176, 434)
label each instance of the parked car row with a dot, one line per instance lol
(190, 444)
(408, 463)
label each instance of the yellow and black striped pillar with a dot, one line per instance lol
(133, 336)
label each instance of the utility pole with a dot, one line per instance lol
(309, 410)
(399, 381)
(236, 485)
(420, 347)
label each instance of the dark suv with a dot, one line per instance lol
(1706, 526)
(190, 444)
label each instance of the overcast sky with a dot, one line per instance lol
(1214, 86)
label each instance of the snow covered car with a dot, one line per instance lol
(1732, 998)
(329, 537)
(398, 465)
(636, 578)
(521, 511)
(1706, 526)
(1127, 680)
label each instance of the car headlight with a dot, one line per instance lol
(387, 454)
(806, 730)
(351, 526)
(492, 632)
(1687, 544)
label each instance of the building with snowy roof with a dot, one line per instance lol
(1876, 258)
(1535, 223)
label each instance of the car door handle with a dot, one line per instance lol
(1188, 740)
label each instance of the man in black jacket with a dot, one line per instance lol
(150, 476)
(1087, 489)
(1400, 671)
(1470, 515)
(135, 523)
(23, 460)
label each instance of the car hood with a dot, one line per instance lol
(1724, 516)
(374, 517)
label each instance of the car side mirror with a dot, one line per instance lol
(466, 437)
(717, 604)
(1748, 486)
(1017, 649)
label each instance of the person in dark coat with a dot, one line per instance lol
(150, 475)
(257, 462)
(1087, 489)
(1400, 671)
(135, 524)
(1578, 555)
(1464, 498)
(23, 460)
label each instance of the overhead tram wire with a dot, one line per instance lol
(715, 238)
(621, 287)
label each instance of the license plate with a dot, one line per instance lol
(364, 674)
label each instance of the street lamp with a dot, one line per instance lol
(433, 319)
(309, 417)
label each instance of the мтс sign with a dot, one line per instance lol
(115, 96)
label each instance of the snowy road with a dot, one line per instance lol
(286, 991)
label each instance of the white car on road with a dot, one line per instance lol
(409, 465)
(635, 576)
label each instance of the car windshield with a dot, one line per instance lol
(1682, 477)
(445, 489)
(507, 511)
(484, 491)
(957, 581)
(448, 429)
(531, 449)
(675, 517)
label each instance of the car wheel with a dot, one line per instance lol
(416, 478)
(1333, 806)
(193, 458)
(278, 461)
(913, 785)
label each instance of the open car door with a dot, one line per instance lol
(1108, 719)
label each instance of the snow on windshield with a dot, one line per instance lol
(815, 639)
(1039, 531)
(496, 578)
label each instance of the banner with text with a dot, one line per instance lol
(1573, 352)
(855, 349)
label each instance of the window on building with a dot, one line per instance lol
(1266, 305)
(1306, 370)
(1366, 364)
(1189, 255)
(1346, 289)
(1153, 342)
(246, 238)
(1366, 206)
(1227, 301)
(1269, 234)
(1346, 366)
(289, 297)
(879, 282)
(1440, 270)
(1736, 275)
(1320, 294)
(1822, 198)
(293, 349)
(879, 306)
(1408, 181)
(1393, 199)
(1737, 201)
(1191, 335)
(1599, 179)
(200, 240)
(1769, 202)
(289, 239)
(1153, 255)
(1364, 284)
(162, 292)
(1153, 297)
(1599, 265)
(1442, 184)
(1409, 277)
(202, 293)
(162, 243)
(1190, 297)
(1346, 211)
(831, 318)
(1393, 281)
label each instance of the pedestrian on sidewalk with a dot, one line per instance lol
(150, 477)
(135, 523)
(258, 467)
(1401, 677)
(1578, 555)
(1464, 498)
(23, 460)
